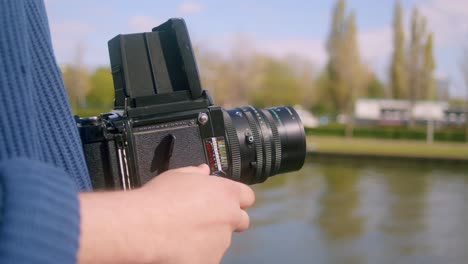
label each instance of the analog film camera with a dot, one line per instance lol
(163, 119)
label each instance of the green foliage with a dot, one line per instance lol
(375, 88)
(428, 84)
(421, 63)
(229, 79)
(101, 94)
(451, 135)
(89, 94)
(397, 69)
(336, 86)
(88, 111)
(412, 71)
(278, 85)
(249, 77)
(328, 130)
(414, 55)
(76, 82)
(335, 38)
(345, 72)
(323, 105)
(458, 102)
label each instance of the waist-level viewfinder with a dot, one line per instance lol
(153, 70)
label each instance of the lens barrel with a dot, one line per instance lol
(264, 142)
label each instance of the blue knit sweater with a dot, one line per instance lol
(41, 161)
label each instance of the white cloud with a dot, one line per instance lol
(375, 46)
(142, 23)
(448, 19)
(189, 8)
(71, 27)
(311, 49)
(231, 44)
(69, 38)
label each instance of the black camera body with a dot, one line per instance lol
(162, 120)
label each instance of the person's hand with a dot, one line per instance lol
(181, 216)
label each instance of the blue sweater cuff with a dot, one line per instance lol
(39, 217)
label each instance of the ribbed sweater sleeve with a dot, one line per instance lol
(35, 121)
(42, 167)
(40, 213)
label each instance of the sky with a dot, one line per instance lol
(278, 28)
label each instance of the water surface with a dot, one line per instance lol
(359, 211)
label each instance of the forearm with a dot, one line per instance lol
(111, 229)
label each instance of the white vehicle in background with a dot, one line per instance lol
(307, 118)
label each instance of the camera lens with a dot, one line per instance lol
(264, 142)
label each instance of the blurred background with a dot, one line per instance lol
(381, 86)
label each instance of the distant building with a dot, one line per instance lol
(455, 116)
(399, 112)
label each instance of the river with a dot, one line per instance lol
(358, 211)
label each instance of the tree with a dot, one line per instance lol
(414, 62)
(278, 84)
(211, 67)
(375, 88)
(101, 93)
(397, 69)
(353, 73)
(345, 71)
(336, 86)
(304, 71)
(428, 80)
(76, 80)
(464, 71)
(323, 104)
(421, 63)
(415, 59)
(243, 69)
(230, 79)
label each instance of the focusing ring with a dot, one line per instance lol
(276, 141)
(258, 144)
(234, 146)
(267, 139)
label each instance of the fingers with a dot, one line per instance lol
(244, 222)
(246, 199)
(243, 193)
(205, 168)
(201, 169)
(246, 195)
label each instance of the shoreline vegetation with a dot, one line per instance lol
(385, 148)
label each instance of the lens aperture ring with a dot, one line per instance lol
(276, 141)
(234, 146)
(257, 143)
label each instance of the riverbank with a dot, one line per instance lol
(381, 148)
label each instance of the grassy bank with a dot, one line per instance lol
(383, 147)
(453, 134)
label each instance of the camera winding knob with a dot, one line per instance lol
(203, 118)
